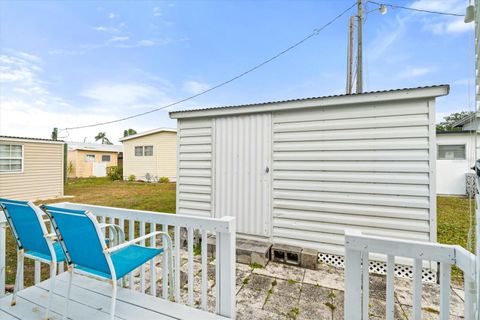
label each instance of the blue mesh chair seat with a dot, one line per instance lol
(33, 241)
(84, 245)
(126, 260)
(57, 249)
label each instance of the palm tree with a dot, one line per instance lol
(102, 136)
(129, 132)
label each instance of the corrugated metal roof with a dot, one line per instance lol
(310, 98)
(94, 147)
(28, 138)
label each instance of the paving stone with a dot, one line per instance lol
(281, 271)
(426, 314)
(242, 277)
(377, 309)
(288, 288)
(431, 300)
(325, 276)
(246, 312)
(320, 303)
(255, 291)
(288, 306)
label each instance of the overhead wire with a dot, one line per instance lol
(314, 33)
(415, 9)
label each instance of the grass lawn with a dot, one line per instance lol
(452, 215)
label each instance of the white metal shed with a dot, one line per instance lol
(300, 172)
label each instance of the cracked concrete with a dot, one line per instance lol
(279, 291)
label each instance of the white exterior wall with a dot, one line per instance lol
(195, 174)
(364, 167)
(451, 173)
(368, 166)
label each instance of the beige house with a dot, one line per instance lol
(30, 168)
(91, 159)
(150, 155)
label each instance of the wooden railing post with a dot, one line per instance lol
(3, 226)
(353, 280)
(226, 270)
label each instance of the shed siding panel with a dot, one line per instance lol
(42, 175)
(362, 167)
(161, 164)
(194, 190)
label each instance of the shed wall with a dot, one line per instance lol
(364, 166)
(42, 175)
(195, 174)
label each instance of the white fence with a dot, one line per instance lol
(358, 247)
(138, 223)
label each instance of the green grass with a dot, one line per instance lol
(453, 224)
(452, 212)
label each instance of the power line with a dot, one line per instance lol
(314, 33)
(414, 9)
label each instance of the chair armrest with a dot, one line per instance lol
(116, 228)
(152, 234)
(52, 236)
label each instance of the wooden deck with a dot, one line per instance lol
(90, 299)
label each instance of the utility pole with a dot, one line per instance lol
(359, 49)
(350, 56)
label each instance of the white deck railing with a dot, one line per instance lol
(358, 247)
(137, 222)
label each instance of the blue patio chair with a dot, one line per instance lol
(33, 241)
(84, 245)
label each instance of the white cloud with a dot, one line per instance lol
(119, 38)
(414, 72)
(195, 87)
(109, 29)
(113, 15)
(157, 12)
(439, 24)
(28, 56)
(120, 94)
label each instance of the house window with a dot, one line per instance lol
(148, 150)
(106, 158)
(143, 151)
(11, 158)
(451, 152)
(89, 158)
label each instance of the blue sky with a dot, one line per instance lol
(74, 63)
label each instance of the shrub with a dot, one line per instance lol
(131, 178)
(115, 173)
(164, 180)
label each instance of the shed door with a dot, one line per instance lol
(242, 171)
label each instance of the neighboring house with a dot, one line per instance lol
(456, 156)
(150, 155)
(30, 168)
(301, 172)
(91, 159)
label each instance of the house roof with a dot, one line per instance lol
(456, 132)
(464, 120)
(331, 100)
(30, 139)
(94, 147)
(146, 133)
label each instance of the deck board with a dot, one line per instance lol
(90, 299)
